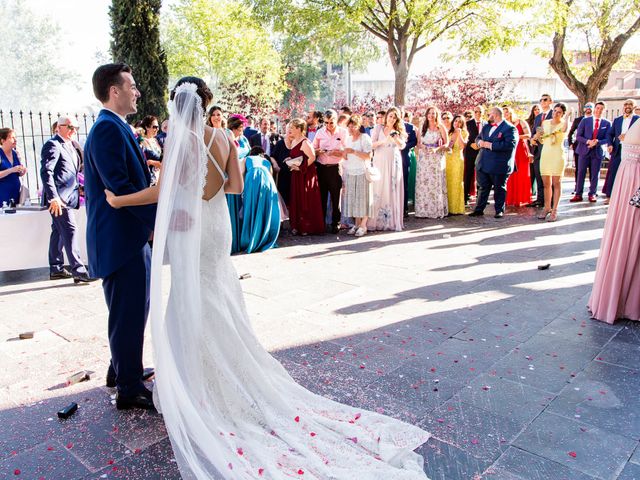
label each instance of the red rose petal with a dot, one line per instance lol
(297, 419)
(240, 452)
(17, 471)
(573, 454)
(313, 434)
(260, 471)
(474, 441)
(362, 367)
(69, 445)
(300, 472)
(357, 417)
(230, 466)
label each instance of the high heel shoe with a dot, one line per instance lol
(553, 216)
(544, 215)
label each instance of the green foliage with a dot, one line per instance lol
(31, 75)
(135, 40)
(220, 41)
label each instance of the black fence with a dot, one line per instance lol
(32, 131)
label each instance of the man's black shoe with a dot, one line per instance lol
(147, 375)
(499, 215)
(62, 274)
(141, 400)
(533, 204)
(476, 213)
(83, 278)
(335, 229)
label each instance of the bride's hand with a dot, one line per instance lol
(180, 221)
(111, 198)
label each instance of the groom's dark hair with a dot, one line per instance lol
(105, 77)
(202, 90)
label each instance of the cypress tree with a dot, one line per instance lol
(135, 40)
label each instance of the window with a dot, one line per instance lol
(620, 83)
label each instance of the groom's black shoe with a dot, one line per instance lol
(143, 400)
(476, 213)
(147, 375)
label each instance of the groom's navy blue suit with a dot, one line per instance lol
(117, 242)
(494, 165)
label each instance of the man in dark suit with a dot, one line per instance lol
(470, 152)
(117, 239)
(546, 113)
(264, 138)
(249, 131)
(59, 167)
(573, 143)
(592, 135)
(497, 143)
(617, 132)
(412, 141)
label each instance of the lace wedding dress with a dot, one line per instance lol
(232, 411)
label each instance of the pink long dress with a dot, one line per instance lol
(616, 288)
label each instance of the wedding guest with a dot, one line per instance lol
(531, 119)
(619, 128)
(546, 112)
(306, 215)
(497, 142)
(357, 193)
(329, 144)
(151, 148)
(235, 201)
(431, 181)
(214, 117)
(552, 160)
(573, 142)
(454, 167)
(280, 154)
(519, 182)
(637, 110)
(592, 135)
(261, 211)
(412, 141)
(60, 164)
(416, 121)
(314, 120)
(388, 196)
(474, 127)
(380, 116)
(468, 115)
(11, 169)
(446, 118)
(369, 122)
(249, 130)
(616, 287)
(162, 135)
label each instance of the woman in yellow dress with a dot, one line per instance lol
(458, 136)
(552, 135)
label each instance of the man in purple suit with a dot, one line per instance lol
(593, 134)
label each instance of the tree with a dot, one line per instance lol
(32, 75)
(220, 41)
(604, 26)
(404, 27)
(456, 93)
(135, 31)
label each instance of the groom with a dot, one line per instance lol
(497, 142)
(117, 240)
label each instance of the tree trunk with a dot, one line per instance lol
(400, 91)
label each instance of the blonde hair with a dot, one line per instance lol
(299, 123)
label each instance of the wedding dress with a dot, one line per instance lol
(231, 410)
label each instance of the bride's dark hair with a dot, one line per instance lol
(202, 90)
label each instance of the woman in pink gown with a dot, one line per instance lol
(616, 288)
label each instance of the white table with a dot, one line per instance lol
(24, 237)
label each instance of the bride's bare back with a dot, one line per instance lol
(225, 153)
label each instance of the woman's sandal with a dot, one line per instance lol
(553, 216)
(544, 215)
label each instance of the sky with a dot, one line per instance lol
(86, 29)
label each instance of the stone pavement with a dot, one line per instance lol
(449, 325)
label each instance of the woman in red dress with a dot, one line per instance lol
(519, 183)
(305, 207)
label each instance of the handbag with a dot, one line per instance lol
(371, 173)
(635, 200)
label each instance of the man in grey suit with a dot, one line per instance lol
(60, 162)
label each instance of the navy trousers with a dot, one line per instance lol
(406, 163)
(612, 171)
(127, 294)
(63, 236)
(538, 176)
(485, 182)
(592, 161)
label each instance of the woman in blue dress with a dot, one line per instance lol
(261, 221)
(10, 167)
(234, 202)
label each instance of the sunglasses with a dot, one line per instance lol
(545, 99)
(70, 127)
(155, 127)
(446, 118)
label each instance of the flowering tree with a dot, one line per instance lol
(361, 105)
(456, 93)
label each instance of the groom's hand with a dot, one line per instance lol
(55, 207)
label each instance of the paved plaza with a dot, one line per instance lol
(449, 325)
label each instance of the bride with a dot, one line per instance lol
(231, 410)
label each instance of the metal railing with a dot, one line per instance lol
(32, 131)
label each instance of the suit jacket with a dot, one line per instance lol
(412, 141)
(615, 131)
(541, 117)
(249, 132)
(59, 166)
(256, 140)
(472, 128)
(585, 132)
(574, 127)
(500, 158)
(114, 161)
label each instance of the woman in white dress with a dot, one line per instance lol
(431, 182)
(231, 410)
(388, 193)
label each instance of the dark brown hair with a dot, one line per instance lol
(234, 122)
(201, 89)
(147, 122)
(105, 77)
(4, 133)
